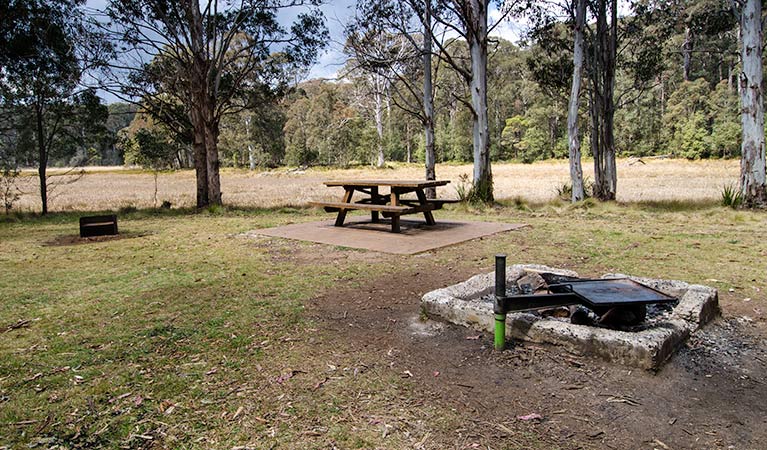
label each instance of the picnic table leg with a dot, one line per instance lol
(395, 223)
(342, 212)
(426, 214)
(395, 218)
(374, 197)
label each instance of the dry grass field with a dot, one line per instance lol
(113, 188)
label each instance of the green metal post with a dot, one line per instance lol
(500, 332)
(499, 340)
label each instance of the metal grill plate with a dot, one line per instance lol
(612, 292)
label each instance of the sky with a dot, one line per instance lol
(338, 13)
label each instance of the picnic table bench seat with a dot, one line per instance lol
(437, 202)
(337, 206)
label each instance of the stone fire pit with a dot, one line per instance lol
(647, 346)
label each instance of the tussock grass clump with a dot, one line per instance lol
(732, 196)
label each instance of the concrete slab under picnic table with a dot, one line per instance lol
(415, 236)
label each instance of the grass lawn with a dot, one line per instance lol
(186, 334)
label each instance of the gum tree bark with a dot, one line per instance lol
(687, 48)
(752, 162)
(428, 102)
(602, 100)
(378, 87)
(42, 149)
(576, 171)
(476, 27)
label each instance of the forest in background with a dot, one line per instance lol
(228, 89)
(689, 110)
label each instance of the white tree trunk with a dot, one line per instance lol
(576, 170)
(752, 163)
(428, 102)
(378, 97)
(687, 47)
(483, 180)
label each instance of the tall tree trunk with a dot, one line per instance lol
(752, 162)
(378, 97)
(251, 153)
(198, 79)
(576, 171)
(687, 47)
(200, 168)
(482, 189)
(42, 160)
(408, 143)
(428, 102)
(603, 108)
(730, 88)
(213, 163)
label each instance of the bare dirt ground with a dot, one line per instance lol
(113, 188)
(709, 395)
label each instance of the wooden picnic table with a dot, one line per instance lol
(389, 205)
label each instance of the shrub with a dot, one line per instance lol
(8, 189)
(565, 191)
(731, 196)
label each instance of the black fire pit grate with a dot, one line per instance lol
(607, 293)
(614, 300)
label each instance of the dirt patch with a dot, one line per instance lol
(710, 395)
(73, 239)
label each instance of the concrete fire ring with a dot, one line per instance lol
(468, 304)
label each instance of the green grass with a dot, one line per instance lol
(168, 333)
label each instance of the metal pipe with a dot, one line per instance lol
(499, 338)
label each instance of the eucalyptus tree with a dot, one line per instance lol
(469, 20)
(199, 60)
(409, 24)
(573, 137)
(44, 49)
(374, 64)
(612, 44)
(752, 163)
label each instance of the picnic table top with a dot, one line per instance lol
(418, 184)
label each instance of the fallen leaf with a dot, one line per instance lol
(18, 324)
(119, 397)
(35, 376)
(319, 384)
(288, 375)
